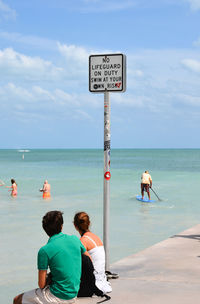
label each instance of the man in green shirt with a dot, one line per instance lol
(62, 254)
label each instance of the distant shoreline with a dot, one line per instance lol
(96, 149)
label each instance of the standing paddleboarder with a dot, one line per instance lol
(146, 183)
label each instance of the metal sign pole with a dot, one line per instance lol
(106, 177)
(107, 73)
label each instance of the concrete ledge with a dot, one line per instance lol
(166, 273)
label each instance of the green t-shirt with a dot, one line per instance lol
(62, 254)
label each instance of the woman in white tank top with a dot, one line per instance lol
(95, 249)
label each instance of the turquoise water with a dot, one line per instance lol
(76, 178)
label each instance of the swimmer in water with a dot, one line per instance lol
(46, 189)
(13, 188)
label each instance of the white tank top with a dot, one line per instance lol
(98, 259)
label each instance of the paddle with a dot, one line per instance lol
(155, 194)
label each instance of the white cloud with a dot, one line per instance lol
(55, 103)
(88, 6)
(166, 76)
(80, 114)
(6, 12)
(42, 94)
(109, 5)
(194, 4)
(13, 63)
(90, 1)
(155, 81)
(19, 92)
(72, 52)
(11, 58)
(117, 5)
(197, 42)
(192, 65)
(31, 40)
(136, 73)
(76, 59)
(190, 100)
(63, 98)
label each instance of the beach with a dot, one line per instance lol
(76, 178)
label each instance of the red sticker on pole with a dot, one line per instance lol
(107, 175)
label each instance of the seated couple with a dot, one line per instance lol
(63, 255)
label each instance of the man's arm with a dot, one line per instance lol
(42, 265)
(150, 182)
(42, 278)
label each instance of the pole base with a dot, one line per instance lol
(111, 275)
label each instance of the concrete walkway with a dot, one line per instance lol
(166, 273)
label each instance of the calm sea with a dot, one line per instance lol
(76, 178)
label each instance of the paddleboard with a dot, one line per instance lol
(144, 200)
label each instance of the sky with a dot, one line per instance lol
(44, 56)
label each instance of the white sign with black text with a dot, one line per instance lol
(107, 73)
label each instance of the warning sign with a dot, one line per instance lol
(107, 73)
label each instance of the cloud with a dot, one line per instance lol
(194, 4)
(192, 65)
(88, 6)
(190, 100)
(14, 64)
(74, 53)
(157, 81)
(136, 73)
(55, 103)
(19, 92)
(80, 114)
(106, 5)
(165, 76)
(31, 40)
(129, 100)
(6, 12)
(96, 6)
(76, 60)
(197, 42)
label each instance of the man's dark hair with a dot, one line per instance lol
(52, 222)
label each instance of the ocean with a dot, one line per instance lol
(76, 178)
